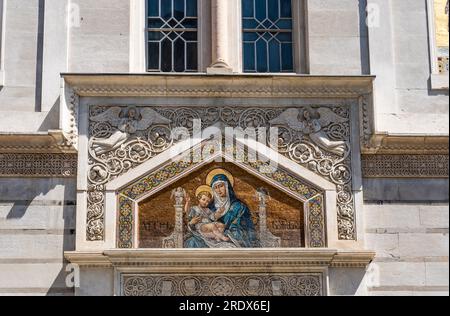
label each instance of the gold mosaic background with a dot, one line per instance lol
(284, 214)
(441, 24)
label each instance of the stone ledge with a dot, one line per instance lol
(53, 141)
(37, 291)
(407, 145)
(439, 82)
(202, 85)
(409, 289)
(205, 259)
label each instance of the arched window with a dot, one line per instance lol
(267, 36)
(172, 36)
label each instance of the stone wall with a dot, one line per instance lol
(101, 40)
(409, 230)
(337, 36)
(406, 220)
(29, 98)
(400, 58)
(37, 224)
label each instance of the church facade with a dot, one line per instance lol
(224, 147)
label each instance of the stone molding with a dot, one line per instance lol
(38, 165)
(232, 86)
(407, 145)
(373, 166)
(53, 141)
(405, 166)
(207, 260)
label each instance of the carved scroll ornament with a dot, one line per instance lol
(124, 137)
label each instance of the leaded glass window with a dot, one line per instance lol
(267, 38)
(172, 35)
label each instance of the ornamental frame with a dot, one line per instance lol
(333, 128)
(80, 92)
(97, 193)
(129, 197)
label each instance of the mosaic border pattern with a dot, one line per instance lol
(316, 229)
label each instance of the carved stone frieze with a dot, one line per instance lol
(405, 166)
(319, 139)
(54, 141)
(357, 88)
(301, 284)
(38, 165)
(122, 138)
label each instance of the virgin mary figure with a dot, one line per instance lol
(230, 211)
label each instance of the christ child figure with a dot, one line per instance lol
(202, 219)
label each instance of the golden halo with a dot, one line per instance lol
(204, 188)
(215, 172)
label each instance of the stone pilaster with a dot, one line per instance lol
(219, 25)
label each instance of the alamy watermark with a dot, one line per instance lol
(73, 15)
(239, 145)
(373, 19)
(73, 276)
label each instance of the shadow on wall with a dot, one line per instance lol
(67, 232)
(347, 282)
(40, 56)
(364, 38)
(68, 245)
(51, 121)
(434, 93)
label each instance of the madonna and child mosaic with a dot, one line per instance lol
(221, 207)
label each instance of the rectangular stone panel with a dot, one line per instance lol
(310, 284)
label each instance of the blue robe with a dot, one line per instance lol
(238, 221)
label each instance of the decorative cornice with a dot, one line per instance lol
(352, 259)
(407, 145)
(231, 86)
(405, 166)
(54, 141)
(38, 165)
(222, 259)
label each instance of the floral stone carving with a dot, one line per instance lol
(227, 285)
(123, 137)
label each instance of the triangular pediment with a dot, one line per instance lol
(264, 163)
(169, 168)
